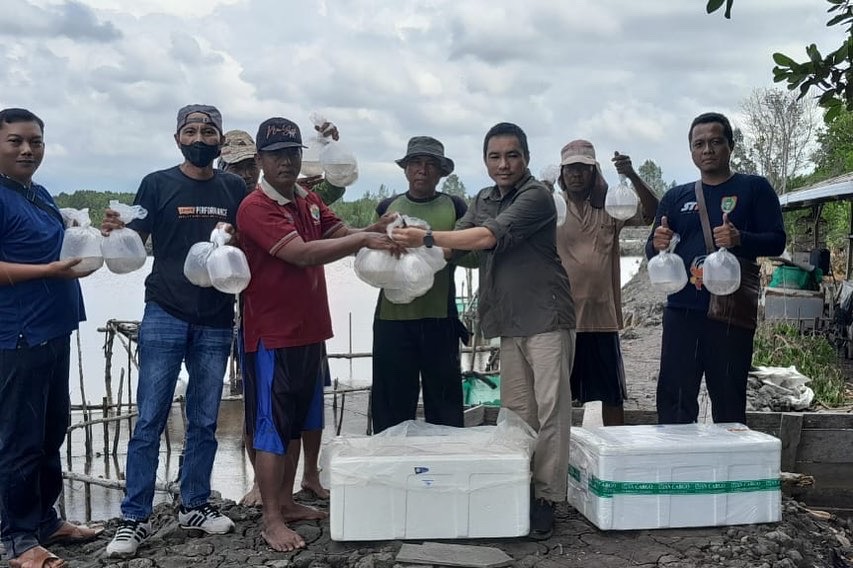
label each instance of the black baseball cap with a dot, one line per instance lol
(277, 133)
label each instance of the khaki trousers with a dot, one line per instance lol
(535, 373)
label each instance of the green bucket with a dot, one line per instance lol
(482, 389)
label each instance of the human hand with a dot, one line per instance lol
(623, 164)
(378, 241)
(111, 222)
(63, 269)
(410, 237)
(726, 235)
(381, 225)
(662, 235)
(310, 182)
(328, 130)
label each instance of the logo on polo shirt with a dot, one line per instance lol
(315, 213)
(690, 206)
(728, 203)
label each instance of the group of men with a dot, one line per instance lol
(551, 294)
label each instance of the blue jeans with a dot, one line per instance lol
(164, 342)
(34, 405)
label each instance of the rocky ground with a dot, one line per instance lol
(803, 539)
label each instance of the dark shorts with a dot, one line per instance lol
(598, 373)
(283, 395)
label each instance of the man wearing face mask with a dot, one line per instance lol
(182, 323)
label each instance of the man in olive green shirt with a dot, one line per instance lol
(416, 345)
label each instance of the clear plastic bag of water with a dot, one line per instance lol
(227, 265)
(195, 265)
(81, 240)
(339, 164)
(549, 175)
(721, 273)
(401, 279)
(311, 165)
(123, 249)
(666, 269)
(621, 201)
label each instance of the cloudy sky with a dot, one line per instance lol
(108, 76)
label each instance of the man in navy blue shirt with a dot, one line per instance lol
(746, 218)
(40, 305)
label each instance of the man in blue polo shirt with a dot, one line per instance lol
(40, 305)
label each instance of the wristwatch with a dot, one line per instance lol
(429, 241)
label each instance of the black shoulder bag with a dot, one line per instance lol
(740, 308)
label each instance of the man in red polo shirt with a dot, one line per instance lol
(288, 234)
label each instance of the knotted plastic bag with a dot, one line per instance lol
(311, 165)
(666, 269)
(721, 273)
(339, 164)
(195, 265)
(549, 175)
(402, 279)
(621, 201)
(123, 249)
(227, 265)
(81, 240)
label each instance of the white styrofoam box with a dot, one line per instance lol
(463, 485)
(680, 475)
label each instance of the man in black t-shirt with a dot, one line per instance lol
(745, 217)
(183, 323)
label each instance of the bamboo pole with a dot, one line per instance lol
(83, 394)
(109, 338)
(95, 421)
(117, 432)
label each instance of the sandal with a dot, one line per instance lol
(69, 533)
(38, 557)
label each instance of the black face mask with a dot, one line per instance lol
(200, 154)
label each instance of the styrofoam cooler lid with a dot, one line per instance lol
(673, 439)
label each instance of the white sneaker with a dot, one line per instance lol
(128, 537)
(206, 518)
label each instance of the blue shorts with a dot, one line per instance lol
(283, 395)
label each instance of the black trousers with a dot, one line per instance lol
(34, 407)
(693, 345)
(410, 355)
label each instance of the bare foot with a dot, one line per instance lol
(296, 512)
(253, 497)
(281, 538)
(312, 484)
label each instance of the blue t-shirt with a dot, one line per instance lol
(42, 309)
(753, 208)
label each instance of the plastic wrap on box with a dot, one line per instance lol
(419, 480)
(684, 475)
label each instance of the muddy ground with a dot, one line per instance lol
(803, 539)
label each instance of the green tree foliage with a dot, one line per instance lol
(95, 201)
(361, 212)
(453, 186)
(651, 173)
(832, 74)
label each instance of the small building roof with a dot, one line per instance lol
(834, 189)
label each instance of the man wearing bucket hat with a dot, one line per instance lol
(416, 345)
(588, 243)
(288, 234)
(182, 323)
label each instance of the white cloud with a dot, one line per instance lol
(108, 76)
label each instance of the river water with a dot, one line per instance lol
(121, 297)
